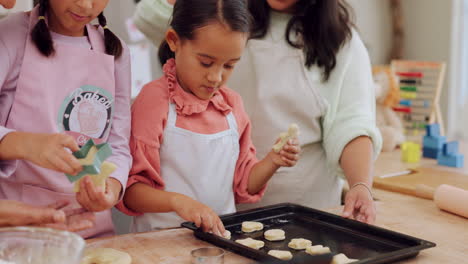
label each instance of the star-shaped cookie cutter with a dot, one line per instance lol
(101, 152)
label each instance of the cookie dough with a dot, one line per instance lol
(99, 180)
(274, 235)
(249, 227)
(251, 243)
(342, 259)
(227, 234)
(293, 131)
(317, 250)
(281, 254)
(105, 256)
(89, 159)
(299, 243)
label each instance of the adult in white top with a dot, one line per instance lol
(321, 80)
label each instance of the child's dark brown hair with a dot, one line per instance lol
(42, 39)
(189, 15)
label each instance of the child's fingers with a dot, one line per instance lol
(91, 190)
(60, 165)
(289, 156)
(220, 225)
(292, 148)
(197, 220)
(207, 223)
(82, 196)
(71, 161)
(70, 143)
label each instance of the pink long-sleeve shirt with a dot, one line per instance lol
(13, 35)
(149, 116)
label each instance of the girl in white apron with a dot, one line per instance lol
(66, 82)
(319, 77)
(193, 156)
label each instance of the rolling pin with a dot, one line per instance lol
(446, 197)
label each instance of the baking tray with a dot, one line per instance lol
(367, 243)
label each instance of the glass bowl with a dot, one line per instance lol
(27, 245)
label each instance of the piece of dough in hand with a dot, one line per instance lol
(281, 254)
(227, 234)
(274, 235)
(105, 256)
(251, 243)
(99, 180)
(293, 131)
(248, 226)
(317, 250)
(299, 243)
(342, 259)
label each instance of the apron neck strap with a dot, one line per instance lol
(96, 38)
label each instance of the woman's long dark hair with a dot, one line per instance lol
(42, 39)
(189, 15)
(323, 26)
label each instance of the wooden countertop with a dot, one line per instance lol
(401, 213)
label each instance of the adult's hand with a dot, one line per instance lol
(15, 213)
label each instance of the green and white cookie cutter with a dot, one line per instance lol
(104, 151)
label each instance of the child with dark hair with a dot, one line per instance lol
(63, 81)
(190, 140)
(304, 64)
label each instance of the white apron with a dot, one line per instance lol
(200, 166)
(277, 91)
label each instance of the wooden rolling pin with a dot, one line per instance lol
(446, 197)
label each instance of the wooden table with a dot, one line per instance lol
(402, 213)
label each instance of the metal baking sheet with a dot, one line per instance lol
(367, 243)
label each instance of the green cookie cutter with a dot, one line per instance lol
(104, 151)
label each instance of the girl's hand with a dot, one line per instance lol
(50, 151)
(95, 199)
(75, 220)
(288, 155)
(171, 2)
(359, 205)
(202, 215)
(15, 213)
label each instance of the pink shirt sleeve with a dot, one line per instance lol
(120, 130)
(149, 115)
(14, 30)
(247, 154)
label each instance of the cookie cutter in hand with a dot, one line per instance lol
(103, 151)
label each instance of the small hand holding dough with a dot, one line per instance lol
(342, 259)
(293, 131)
(317, 250)
(299, 243)
(251, 243)
(105, 256)
(99, 180)
(249, 227)
(274, 235)
(281, 254)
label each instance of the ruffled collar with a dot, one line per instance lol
(187, 103)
